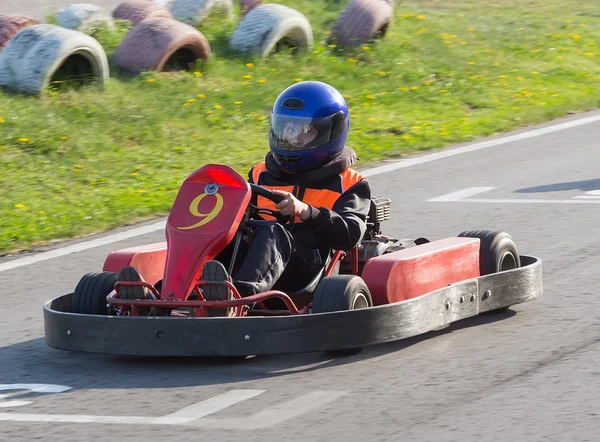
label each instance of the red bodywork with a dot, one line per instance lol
(201, 224)
(415, 271)
(205, 217)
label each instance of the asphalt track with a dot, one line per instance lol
(530, 374)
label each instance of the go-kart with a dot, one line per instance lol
(384, 289)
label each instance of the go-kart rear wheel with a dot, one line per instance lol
(339, 293)
(497, 253)
(90, 294)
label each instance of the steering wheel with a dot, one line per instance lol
(266, 193)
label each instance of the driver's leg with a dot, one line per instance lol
(268, 254)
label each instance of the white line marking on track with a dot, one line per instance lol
(274, 415)
(194, 414)
(82, 246)
(214, 404)
(528, 201)
(478, 146)
(462, 194)
(402, 164)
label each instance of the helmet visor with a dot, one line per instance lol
(291, 133)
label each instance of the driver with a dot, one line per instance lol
(309, 165)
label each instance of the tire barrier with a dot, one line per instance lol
(84, 17)
(362, 21)
(194, 12)
(161, 44)
(137, 10)
(270, 27)
(42, 54)
(10, 25)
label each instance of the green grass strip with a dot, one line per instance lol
(78, 162)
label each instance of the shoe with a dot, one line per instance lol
(129, 273)
(215, 271)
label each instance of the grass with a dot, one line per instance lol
(78, 162)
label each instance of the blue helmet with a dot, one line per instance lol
(309, 125)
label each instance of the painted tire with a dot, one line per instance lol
(10, 25)
(247, 5)
(194, 12)
(137, 10)
(153, 42)
(267, 26)
(84, 17)
(41, 53)
(361, 21)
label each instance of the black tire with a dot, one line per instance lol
(90, 294)
(340, 293)
(497, 253)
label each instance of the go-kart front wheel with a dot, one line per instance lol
(340, 293)
(90, 294)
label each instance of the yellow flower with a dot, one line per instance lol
(79, 166)
(261, 118)
(64, 138)
(414, 88)
(198, 74)
(134, 174)
(209, 112)
(218, 106)
(249, 65)
(262, 80)
(406, 137)
(297, 80)
(77, 171)
(247, 77)
(443, 91)
(372, 119)
(238, 102)
(23, 140)
(471, 62)
(1, 120)
(371, 97)
(503, 76)
(201, 96)
(352, 60)
(420, 17)
(20, 206)
(191, 100)
(141, 191)
(151, 80)
(332, 46)
(520, 79)
(365, 48)
(535, 73)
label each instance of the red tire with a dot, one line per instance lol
(247, 5)
(157, 42)
(10, 25)
(361, 21)
(137, 10)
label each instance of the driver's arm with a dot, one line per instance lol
(343, 227)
